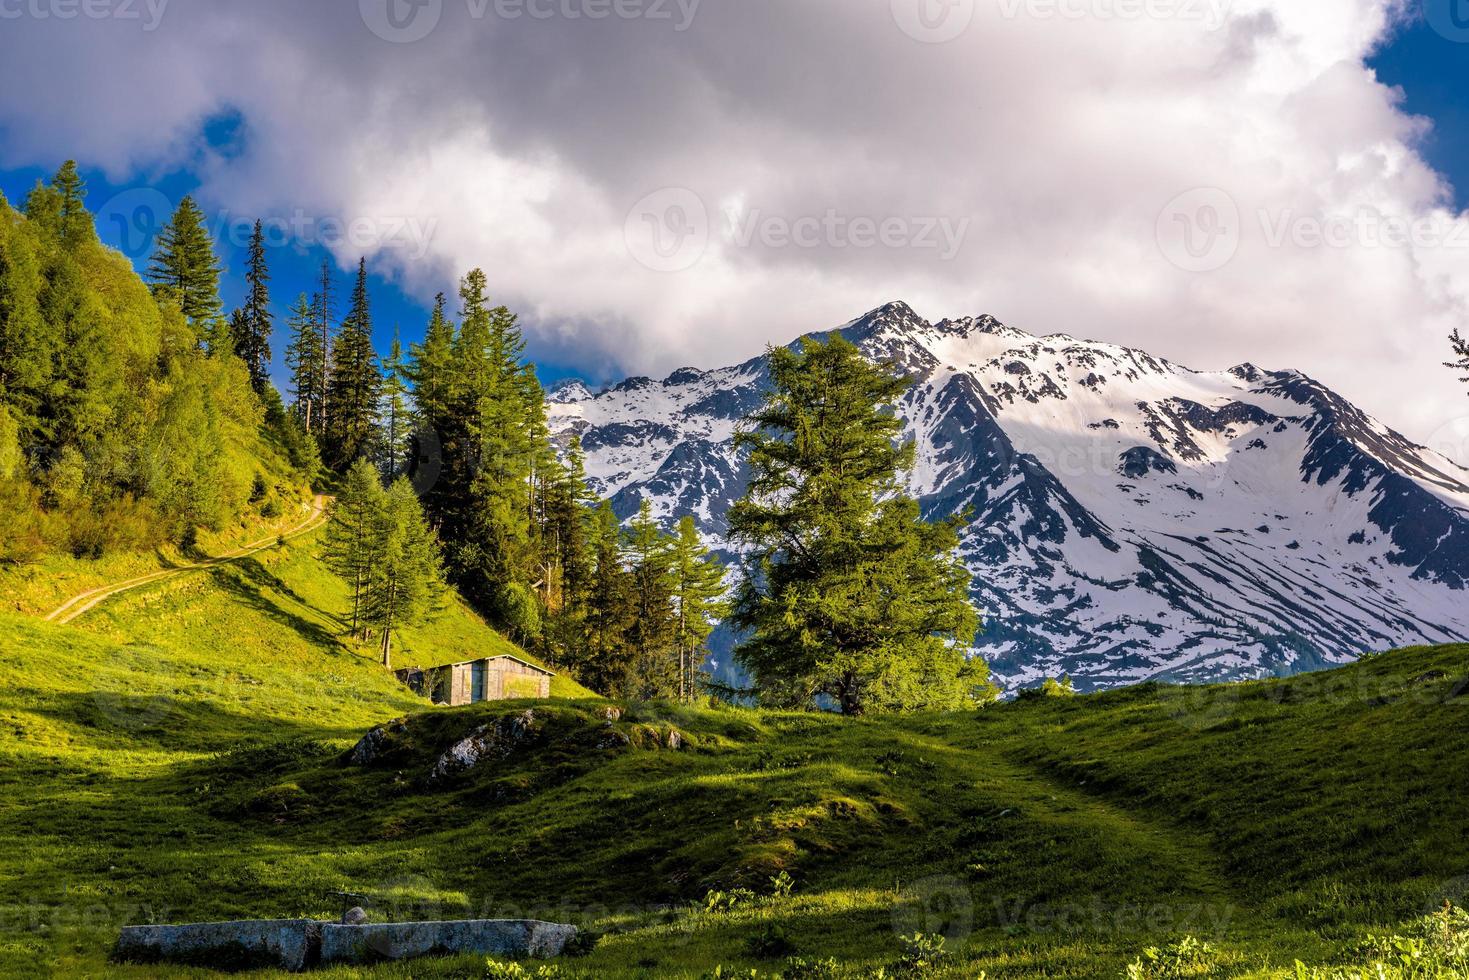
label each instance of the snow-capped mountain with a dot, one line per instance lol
(1131, 518)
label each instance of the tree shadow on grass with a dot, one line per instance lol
(252, 584)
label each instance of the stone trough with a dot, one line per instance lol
(300, 944)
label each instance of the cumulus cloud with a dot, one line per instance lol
(668, 182)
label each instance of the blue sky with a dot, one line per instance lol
(1433, 73)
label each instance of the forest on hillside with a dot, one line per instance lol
(135, 412)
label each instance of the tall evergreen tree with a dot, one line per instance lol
(1461, 349)
(326, 311)
(352, 544)
(604, 658)
(306, 360)
(652, 638)
(252, 342)
(184, 269)
(404, 581)
(354, 385)
(698, 603)
(396, 424)
(847, 592)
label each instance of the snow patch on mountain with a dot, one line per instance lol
(1130, 518)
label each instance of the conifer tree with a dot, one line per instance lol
(847, 592)
(396, 423)
(307, 363)
(252, 341)
(429, 371)
(354, 385)
(185, 270)
(1461, 349)
(605, 658)
(651, 637)
(326, 310)
(352, 543)
(74, 222)
(698, 603)
(404, 581)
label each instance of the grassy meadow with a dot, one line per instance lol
(178, 755)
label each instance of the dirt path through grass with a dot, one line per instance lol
(79, 605)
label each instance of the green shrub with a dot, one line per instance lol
(508, 970)
(922, 954)
(797, 968)
(1179, 961)
(782, 885)
(721, 901)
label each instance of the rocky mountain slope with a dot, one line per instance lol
(1131, 518)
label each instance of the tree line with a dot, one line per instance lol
(126, 419)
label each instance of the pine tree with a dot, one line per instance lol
(847, 592)
(698, 603)
(307, 363)
(429, 371)
(252, 341)
(566, 559)
(354, 533)
(404, 581)
(1461, 349)
(654, 671)
(326, 308)
(75, 224)
(352, 390)
(605, 655)
(185, 270)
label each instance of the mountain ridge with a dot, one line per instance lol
(1132, 518)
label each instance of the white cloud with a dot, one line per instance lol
(1059, 139)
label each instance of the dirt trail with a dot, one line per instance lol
(79, 605)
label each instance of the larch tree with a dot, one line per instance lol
(847, 593)
(699, 603)
(1461, 350)
(185, 270)
(404, 581)
(354, 533)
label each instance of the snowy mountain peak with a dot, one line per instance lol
(1132, 518)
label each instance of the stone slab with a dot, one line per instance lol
(406, 940)
(287, 944)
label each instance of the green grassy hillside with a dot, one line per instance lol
(181, 756)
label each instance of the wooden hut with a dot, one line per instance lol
(502, 678)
